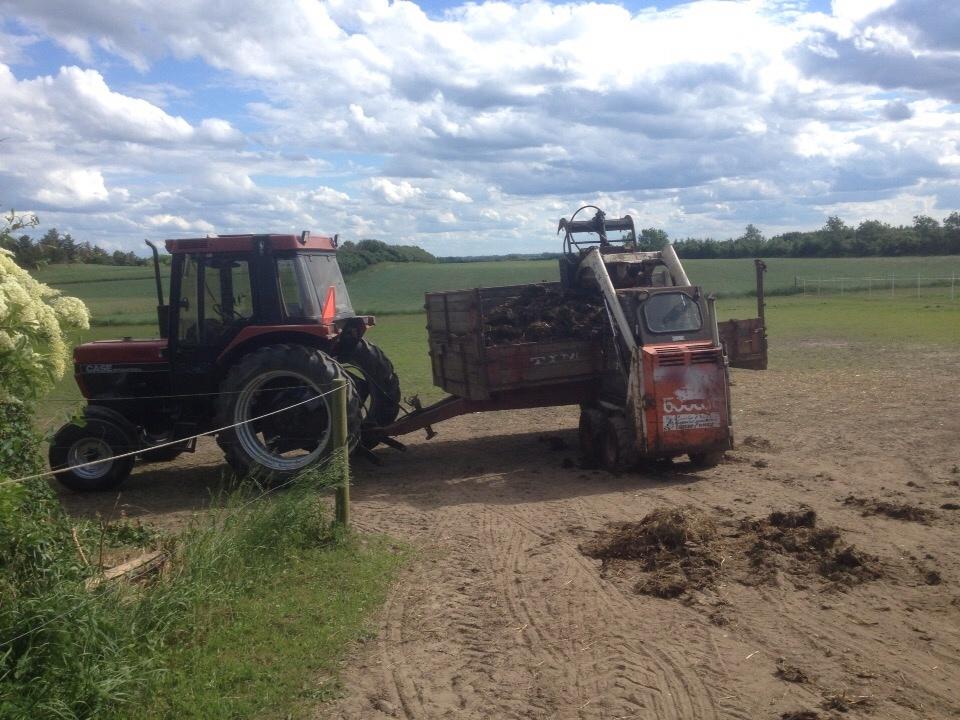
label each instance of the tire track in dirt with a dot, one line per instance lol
(678, 691)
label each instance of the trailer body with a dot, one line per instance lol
(464, 365)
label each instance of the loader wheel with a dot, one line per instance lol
(619, 446)
(291, 437)
(706, 459)
(591, 435)
(378, 386)
(103, 434)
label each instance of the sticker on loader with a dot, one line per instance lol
(691, 421)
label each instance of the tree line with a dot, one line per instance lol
(354, 257)
(926, 236)
(56, 249)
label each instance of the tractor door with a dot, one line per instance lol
(745, 341)
(213, 299)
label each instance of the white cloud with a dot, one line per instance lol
(394, 193)
(177, 223)
(371, 118)
(75, 188)
(457, 196)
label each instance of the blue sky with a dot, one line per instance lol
(472, 128)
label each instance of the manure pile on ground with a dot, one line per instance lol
(671, 552)
(794, 537)
(541, 314)
(676, 548)
(898, 511)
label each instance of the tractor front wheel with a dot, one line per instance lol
(89, 449)
(378, 386)
(279, 400)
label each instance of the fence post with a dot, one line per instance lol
(893, 284)
(953, 284)
(918, 284)
(841, 287)
(342, 445)
(869, 287)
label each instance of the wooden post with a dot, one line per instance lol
(342, 445)
(918, 284)
(953, 285)
(893, 284)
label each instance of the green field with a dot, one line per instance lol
(124, 306)
(397, 287)
(126, 295)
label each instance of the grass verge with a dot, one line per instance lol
(251, 618)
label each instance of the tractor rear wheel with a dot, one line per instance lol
(590, 433)
(288, 389)
(378, 386)
(619, 446)
(103, 435)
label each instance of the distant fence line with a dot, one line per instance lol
(886, 284)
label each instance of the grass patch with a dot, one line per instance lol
(251, 618)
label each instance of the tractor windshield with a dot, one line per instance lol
(674, 312)
(309, 282)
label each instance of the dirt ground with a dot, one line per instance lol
(502, 615)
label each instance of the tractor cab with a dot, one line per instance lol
(222, 285)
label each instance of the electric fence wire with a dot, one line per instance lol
(48, 473)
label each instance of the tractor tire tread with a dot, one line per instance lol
(311, 362)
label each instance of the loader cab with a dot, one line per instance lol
(667, 314)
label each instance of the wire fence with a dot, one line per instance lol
(891, 285)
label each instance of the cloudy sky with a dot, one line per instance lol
(471, 128)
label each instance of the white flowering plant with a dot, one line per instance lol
(33, 318)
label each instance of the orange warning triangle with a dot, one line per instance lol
(330, 306)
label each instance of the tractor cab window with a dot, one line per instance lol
(227, 301)
(188, 307)
(308, 282)
(673, 312)
(325, 277)
(298, 301)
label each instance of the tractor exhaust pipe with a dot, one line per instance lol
(163, 311)
(156, 271)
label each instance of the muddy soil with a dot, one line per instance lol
(501, 614)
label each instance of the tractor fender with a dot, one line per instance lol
(256, 336)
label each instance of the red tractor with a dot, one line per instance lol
(256, 324)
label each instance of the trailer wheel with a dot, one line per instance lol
(284, 386)
(101, 436)
(590, 433)
(378, 386)
(619, 446)
(706, 459)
